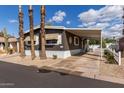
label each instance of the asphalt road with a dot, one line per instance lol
(17, 76)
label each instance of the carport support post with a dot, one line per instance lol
(101, 47)
(87, 44)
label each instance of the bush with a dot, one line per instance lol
(54, 56)
(105, 52)
(10, 50)
(109, 56)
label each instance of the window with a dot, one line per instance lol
(76, 41)
(53, 39)
(51, 42)
(29, 42)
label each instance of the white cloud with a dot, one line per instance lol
(88, 16)
(101, 25)
(13, 21)
(58, 16)
(68, 22)
(87, 24)
(108, 18)
(116, 27)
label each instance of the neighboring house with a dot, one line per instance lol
(12, 43)
(62, 41)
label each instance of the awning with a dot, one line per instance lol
(12, 40)
(51, 36)
(86, 32)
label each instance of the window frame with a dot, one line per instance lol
(75, 42)
(51, 43)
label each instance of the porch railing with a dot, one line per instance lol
(117, 55)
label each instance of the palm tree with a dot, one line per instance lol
(42, 33)
(21, 33)
(5, 39)
(31, 32)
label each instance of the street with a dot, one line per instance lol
(18, 76)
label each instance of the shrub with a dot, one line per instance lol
(105, 52)
(54, 56)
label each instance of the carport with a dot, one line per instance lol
(91, 33)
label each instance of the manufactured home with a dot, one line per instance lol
(12, 43)
(62, 42)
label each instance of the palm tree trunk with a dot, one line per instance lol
(21, 33)
(6, 45)
(6, 40)
(42, 33)
(31, 32)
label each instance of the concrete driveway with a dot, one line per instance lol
(88, 63)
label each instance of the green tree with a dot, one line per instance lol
(94, 42)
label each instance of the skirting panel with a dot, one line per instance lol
(59, 54)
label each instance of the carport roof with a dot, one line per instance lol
(86, 32)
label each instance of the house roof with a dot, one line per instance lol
(83, 32)
(11, 39)
(46, 27)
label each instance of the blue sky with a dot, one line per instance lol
(108, 18)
